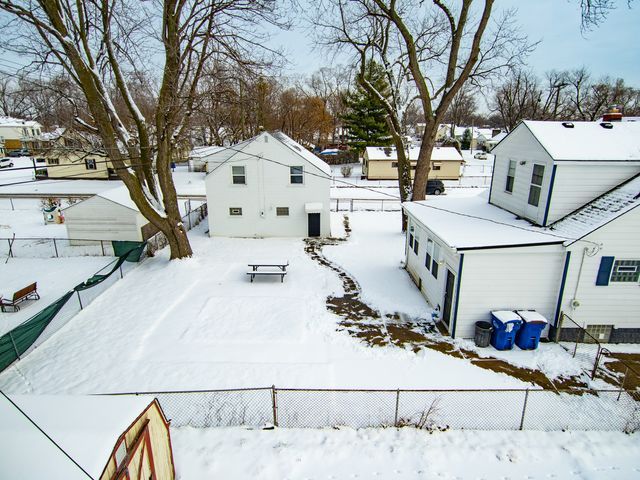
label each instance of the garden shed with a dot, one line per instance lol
(110, 215)
(104, 437)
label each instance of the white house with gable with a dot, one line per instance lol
(557, 233)
(268, 186)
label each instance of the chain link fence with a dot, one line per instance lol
(54, 248)
(546, 410)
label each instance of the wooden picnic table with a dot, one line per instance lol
(268, 268)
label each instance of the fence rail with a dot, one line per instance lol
(547, 410)
(599, 361)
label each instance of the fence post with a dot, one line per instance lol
(11, 200)
(274, 404)
(337, 204)
(55, 247)
(351, 207)
(121, 276)
(395, 421)
(596, 363)
(624, 379)
(79, 299)
(102, 246)
(524, 408)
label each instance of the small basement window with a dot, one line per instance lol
(282, 211)
(235, 211)
(238, 175)
(90, 163)
(626, 271)
(296, 174)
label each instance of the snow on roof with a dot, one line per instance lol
(86, 427)
(303, 152)
(17, 122)
(498, 137)
(588, 140)
(119, 195)
(471, 222)
(439, 154)
(54, 135)
(201, 152)
(599, 211)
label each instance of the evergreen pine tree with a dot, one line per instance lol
(364, 119)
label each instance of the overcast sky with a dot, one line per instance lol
(611, 49)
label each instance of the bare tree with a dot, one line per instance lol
(442, 47)
(98, 43)
(462, 110)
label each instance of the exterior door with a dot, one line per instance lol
(448, 299)
(314, 224)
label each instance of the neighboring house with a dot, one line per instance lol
(493, 141)
(580, 188)
(75, 155)
(199, 157)
(381, 163)
(109, 437)
(17, 133)
(268, 186)
(110, 215)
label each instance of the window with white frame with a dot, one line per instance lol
(626, 271)
(235, 211)
(436, 259)
(238, 175)
(429, 252)
(282, 211)
(296, 174)
(536, 185)
(511, 175)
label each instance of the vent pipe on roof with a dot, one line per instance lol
(567, 124)
(606, 125)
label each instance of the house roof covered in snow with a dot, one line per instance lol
(86, 427)
(600, 211)
(17, 122)
(119, 195)
(439, 154)
(202, 152)
(587, 141)
(469, 223)
(227, 153)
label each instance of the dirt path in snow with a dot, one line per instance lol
(375, 329)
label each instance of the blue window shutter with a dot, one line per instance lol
(604, 272)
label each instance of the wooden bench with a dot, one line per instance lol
(268, 268)
(29, 292)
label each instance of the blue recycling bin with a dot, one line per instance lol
(505, 326)
(528, 336)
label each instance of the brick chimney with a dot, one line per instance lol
(613, 115)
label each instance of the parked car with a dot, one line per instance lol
(480, 156)
(6, 162)
(22, 152)
(435, 187)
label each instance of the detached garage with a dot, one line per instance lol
(110, 215)
(106, 437)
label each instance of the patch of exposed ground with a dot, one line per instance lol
(621, 370)
(376, 329)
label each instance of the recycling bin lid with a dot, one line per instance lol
(506, 316)
(531, 316)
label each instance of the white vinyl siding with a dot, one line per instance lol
(268, 188)
(100, 219)
(576, 185)
(615, 304)
(522, 148)
(508, 279)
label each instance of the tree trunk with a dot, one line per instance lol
(177, 237)
(404, 168)
(424, 162)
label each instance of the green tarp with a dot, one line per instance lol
(132, 250)
(18, 340)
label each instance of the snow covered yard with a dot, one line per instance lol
(402, 454)
(55, 277)
(199, 323)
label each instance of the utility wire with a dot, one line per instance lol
(46, 435)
